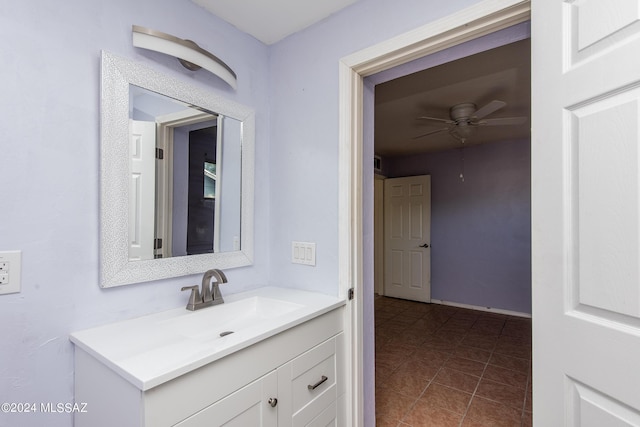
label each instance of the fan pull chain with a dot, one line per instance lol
(462, 164)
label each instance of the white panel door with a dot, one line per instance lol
(407, 216)
(142, 151)
(586, 212)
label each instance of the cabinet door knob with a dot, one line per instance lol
(272, 401)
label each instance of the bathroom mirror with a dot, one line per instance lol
(185, 189)
(177, 171)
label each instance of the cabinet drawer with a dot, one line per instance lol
(307, 384)
(313, 374)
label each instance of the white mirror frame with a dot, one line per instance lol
(116, 269)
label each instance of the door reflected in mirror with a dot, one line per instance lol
(185, 184)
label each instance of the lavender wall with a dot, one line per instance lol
(49, 170)
(480, 228)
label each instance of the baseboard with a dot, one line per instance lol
(487, 309)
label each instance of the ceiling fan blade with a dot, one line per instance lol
(494, 105)
(430, 133)
(503, 121)
(436, 119)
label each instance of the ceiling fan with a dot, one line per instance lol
(466, 117)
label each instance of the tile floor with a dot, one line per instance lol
(445, 366)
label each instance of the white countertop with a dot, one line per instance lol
(148, 351)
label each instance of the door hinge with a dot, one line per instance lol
(159, 153)
(157, 244)
(351, 293)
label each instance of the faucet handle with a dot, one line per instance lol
(194, 298)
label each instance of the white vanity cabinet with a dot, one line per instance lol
(302, 366)
(302, 392)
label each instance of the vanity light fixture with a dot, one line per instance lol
(190, 55)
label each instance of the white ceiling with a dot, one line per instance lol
(272, 20)
(503, 73)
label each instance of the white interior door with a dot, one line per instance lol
(586, 212)
(407, 217)
(142, 191)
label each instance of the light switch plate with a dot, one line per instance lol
(10, 269)
(303, 253)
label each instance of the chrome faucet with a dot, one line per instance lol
(207, 296)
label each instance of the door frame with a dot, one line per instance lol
(475, 21)
(378, 234)
(166, 125)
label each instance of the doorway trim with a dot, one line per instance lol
(166, 126)
(478, 20)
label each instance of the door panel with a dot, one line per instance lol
(417, 268)
(245, 407)
(407, 227)
(142, 190)
(586, 212)
(607, 204)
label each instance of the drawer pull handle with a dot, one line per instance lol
(316, 385)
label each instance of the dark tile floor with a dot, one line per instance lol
(444, 366)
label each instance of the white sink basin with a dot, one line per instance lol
(150, 350)
(221, 320)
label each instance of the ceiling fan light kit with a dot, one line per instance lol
(462, 117)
